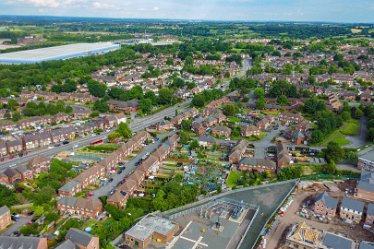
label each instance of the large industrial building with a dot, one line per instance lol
(57, 53)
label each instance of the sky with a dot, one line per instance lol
(244, 10)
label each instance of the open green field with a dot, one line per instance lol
(349, 128)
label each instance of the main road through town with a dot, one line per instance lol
(138, 124)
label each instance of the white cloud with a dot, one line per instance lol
(98, 5)
(43, 3)
(156, 8)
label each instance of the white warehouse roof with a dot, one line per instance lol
(57, 53)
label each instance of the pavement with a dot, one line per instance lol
(17, 224)
(138, 124)
(130, 166)
(359, 140)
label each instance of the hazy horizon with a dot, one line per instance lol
(340, 11)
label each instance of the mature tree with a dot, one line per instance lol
(16, 116)
(12, 104)
(96, 89)
(186, 125)
(165, 96)
(282, 100)
(101, 105)
(259, 92)
(146, 105)
(230, 109)
(124, 130)
(333, 152)
(198, 100)
(260, 103)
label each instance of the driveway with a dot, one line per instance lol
(263, 144)
(17, 224)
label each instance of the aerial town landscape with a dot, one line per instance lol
(184, 132)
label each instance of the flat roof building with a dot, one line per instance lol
(57, 53)
(150, 228)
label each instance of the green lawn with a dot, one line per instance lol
(102, 148)
(233, 119)
(351, 128)
(233, 178)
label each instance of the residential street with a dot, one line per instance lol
(130, 166)
(137, 125)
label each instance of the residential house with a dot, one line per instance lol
(237, 151)
(5, 219)
(81, 113)
(325, 205)
(351, 210)
(23, 242)
(250, 130)
(298, 137)
(207, 141)
(365, 186)
(366, 245)
(39, 164)
(79, 206)
(258, 165)
(25, 172)
(3, 149)
(125, 106)
(370, 215)
(14, 146)
(10, 176)
(336, 241)
(283, 157)
(221, 131)
(289, 117)
(78, 239)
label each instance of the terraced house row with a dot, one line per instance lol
(34, 140)
(134, 183)
(102, 167)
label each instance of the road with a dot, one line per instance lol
(138, 124)
(130, 166)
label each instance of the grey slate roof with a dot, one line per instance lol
(327, 200)
(7, 242)
(79, 237)
(370, 209)
(366, 245)
(333, 241)
(369, 156)
(257, 162)
(207, 138)
(68, 201)
(68, 187)
(366, 181)
(352, 204)
(67, 244)
(3, 210)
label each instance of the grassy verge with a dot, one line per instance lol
(233, 178)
